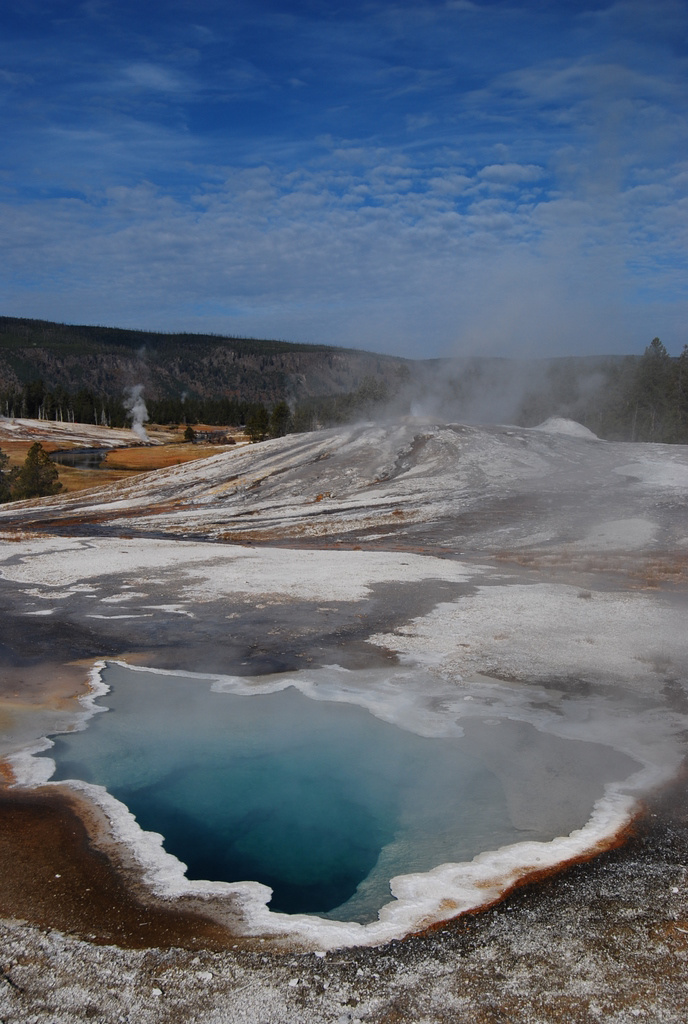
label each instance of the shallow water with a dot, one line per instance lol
(81, 458)
(318, 799)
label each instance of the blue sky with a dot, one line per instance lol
(426, 178)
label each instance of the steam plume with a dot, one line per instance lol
(136, 407)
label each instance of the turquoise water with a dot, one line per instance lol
(319, 800)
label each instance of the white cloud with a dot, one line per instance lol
(417, 122)
(15, 78)
(450, 183)
(305, 256)
(531, 206)
(154, 77)
(464, 5)
(511, 173)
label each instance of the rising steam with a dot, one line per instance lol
(136, 407)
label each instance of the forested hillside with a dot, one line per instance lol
(106, 361)
(89, 374)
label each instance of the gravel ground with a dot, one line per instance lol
(605, 941)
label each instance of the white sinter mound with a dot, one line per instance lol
(559, 425)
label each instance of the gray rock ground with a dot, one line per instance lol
(546, 570)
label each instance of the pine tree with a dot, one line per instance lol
(280, 419)
(651, 398)
(37, 477)
(257, 424)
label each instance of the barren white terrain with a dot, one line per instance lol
(448, 572)
(18, 429)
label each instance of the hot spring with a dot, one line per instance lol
(319, 799)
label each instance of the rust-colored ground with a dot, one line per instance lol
(145, 459)
(70, 478)
(646, 571)
(118, 464)
(17, 449)
(54, 686)
(54, 877)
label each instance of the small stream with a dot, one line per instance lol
(81, 458)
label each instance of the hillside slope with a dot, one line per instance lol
(414, 483)
(107, 361)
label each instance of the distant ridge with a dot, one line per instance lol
(107, 360)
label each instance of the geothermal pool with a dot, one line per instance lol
(318, 799)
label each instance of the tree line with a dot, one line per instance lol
(36, 401)
(631, 398)
(635, 398)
